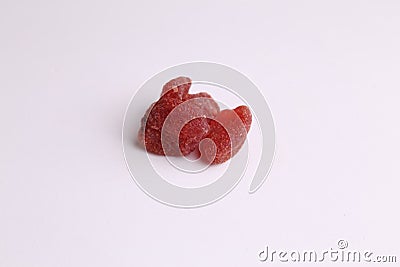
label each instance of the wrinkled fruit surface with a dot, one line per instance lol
(228, 132)
(180, 123)
(173, 95)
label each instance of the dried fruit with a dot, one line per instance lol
(180, 123)
(227, 135)
(187, 126)
(180, 84)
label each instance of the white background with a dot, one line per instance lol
(329, 70)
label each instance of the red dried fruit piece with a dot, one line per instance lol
(192, 134)
(188, 126)
(180, 84)
(227, 135)
(245, 116)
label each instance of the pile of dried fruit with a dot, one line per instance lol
(180, 123)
